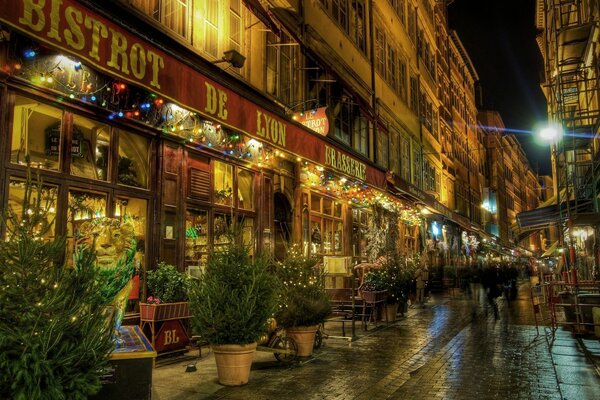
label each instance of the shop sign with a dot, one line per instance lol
(72, 28)
(316, 120)
(171, 336)
(345, 164)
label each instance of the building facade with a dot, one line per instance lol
(568, 42)
(293, 120)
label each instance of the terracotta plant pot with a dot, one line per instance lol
(391, 310)
(233, 363)
(304, 336)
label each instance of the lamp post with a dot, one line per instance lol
(552, 133)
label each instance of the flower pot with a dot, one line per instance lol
(374, 296)
(304, 336)
(233, 363)
(391, 310)
(165, 311)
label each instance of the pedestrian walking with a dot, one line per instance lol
(490, 281)
(420, 278)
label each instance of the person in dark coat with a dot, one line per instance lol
(490, 281)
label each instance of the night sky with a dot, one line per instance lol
(500, 39)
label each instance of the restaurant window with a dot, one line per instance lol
(223, 183)
(223, 230)
(360, 228)
(83, 206)
(171, 13)
(323, 226)
(245, 191)
(90, 149)
(48, 195)
(37, 132)
(134, 210)
(196, 237)
(133, 165)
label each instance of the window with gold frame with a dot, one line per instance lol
(83, 206)
(90, 148)
(37, 133)
(322, 225)
(48, 196)
(361, 218)
(133, 164)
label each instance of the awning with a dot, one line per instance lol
(551, 250)
(543, 217)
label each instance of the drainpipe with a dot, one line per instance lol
(374, 94)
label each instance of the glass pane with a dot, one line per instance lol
(196, 237)
(221, 230)
(327, 206)
(135, 211)
(315, 235)
(133, 160)
(36, 132)
(338, 237)
(245, 189)
(328, 237)
(337, 209)
(223, 183)
(83, 206)
(315, 203)
(90, 149)
(16, 193)
(247, 226)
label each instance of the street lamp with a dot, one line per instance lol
(552, 133)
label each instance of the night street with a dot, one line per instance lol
(448, 350)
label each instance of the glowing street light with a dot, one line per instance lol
(550, 133)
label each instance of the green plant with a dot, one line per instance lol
(302, 298)
(234, 298)
(398, 274)
(167, 284)
(375, 280)
(450, 271)
(55, 335)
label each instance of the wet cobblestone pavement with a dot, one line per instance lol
(449, 349)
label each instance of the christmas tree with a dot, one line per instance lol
(55, 336)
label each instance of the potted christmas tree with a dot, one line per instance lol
(303, 302)
(55, 338)
(231, 304)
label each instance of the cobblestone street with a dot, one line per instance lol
(449, 349)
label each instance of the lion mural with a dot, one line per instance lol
(114, 243)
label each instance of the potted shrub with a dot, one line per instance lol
(168, 298)
(398, 275)
(231, 305)
(374, 287)
(303, 302)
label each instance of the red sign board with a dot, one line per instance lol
(72, 28)
(171, 336)
(316, 120)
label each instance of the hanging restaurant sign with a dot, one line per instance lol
(316, 120)
(74, 29)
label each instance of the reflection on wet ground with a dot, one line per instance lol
(449, 349)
